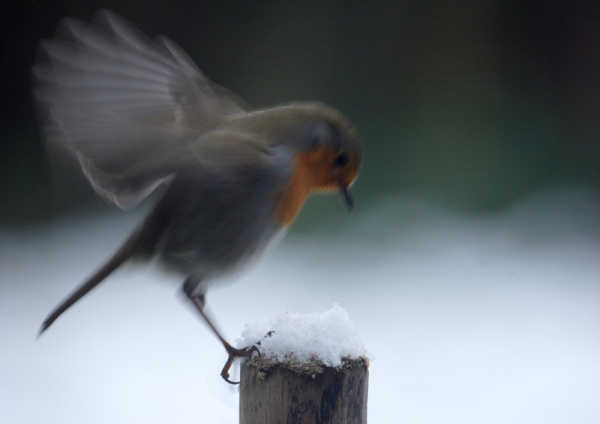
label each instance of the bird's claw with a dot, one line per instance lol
(234, 353)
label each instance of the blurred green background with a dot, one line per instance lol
(476, 102)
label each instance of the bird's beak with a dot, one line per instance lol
(347, 197)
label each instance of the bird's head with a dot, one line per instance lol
(327, 152)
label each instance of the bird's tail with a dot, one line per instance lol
(123, 254)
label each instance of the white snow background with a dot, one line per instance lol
(467, 319)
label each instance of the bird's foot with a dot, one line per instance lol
(234, 353)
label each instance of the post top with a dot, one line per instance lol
(329, 338)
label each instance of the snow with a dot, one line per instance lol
(328, 337)
(470, 319)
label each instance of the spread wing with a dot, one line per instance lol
(129, 107)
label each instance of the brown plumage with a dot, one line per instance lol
(139, 113)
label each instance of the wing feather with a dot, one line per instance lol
(128, 106)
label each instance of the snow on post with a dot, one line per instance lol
(312, 368)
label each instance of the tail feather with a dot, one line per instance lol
(122, 255)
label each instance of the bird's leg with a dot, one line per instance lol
(199, 301)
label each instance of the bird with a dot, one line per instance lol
(140, 117)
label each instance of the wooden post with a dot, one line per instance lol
(289, 392)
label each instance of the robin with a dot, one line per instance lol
(139, 114)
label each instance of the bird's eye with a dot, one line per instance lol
(341, 159)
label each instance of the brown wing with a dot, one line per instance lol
(129, 107)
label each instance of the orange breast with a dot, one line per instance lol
(312, 172)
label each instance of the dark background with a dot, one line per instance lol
(477, 102)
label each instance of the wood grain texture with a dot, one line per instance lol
(288, 392)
